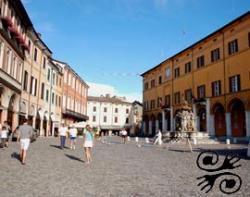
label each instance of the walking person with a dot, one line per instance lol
(62, 133)
(124, 134)
(9, 132)
(73, 135)
(25, 132)
(88, 143)
(158, 138)
(4, 136)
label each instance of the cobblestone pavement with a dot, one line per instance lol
(117, 170)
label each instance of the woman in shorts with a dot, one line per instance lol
(73, 134)
(88, 143)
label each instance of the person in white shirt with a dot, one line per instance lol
(159, 138)
(4, 135)
(124, 134)
(62, 133)
(73, 135)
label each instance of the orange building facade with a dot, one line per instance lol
(212, 75)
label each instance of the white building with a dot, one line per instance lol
(109, 113)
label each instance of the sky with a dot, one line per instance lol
(111, 42)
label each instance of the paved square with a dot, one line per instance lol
(117, 170)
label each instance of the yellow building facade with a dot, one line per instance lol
(212, 75)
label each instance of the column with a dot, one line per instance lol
(53, 129)
(228, 124)
(34, 121)
(48, 129)
(172, 122)
(41, 128)
(247, 123)
(150, 128)
(156, 125)
(15, 120)
(144, 127)
(212, 129)
(208, 115)
(4, 115)
(195, 118)
(163, 121)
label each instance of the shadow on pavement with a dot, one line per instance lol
(59, 147)
(15, 155)
(74, 158)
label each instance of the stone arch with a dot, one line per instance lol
(219, 119)
(159, 118)
(238, 124)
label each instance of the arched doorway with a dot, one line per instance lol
(238, 123)
(146, 122)
(153, 125)
(219, 120)
(202, 119)
(45, 120)
(10, 112)
(167, 117)
(159, 118)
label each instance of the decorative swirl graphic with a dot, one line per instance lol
(211, 158)
(227, 185)
(207, 161)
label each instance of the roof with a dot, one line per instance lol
(108, 100)
(72, 70)
(203, 39)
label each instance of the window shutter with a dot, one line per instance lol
(230, 84)
(238, 82)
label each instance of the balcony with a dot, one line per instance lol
(7, 21)
(9, 81)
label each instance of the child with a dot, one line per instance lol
(4, 135)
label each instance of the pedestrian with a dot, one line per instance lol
(158, 138)
(9, 132)
(88, 143)
(62, 133)
(25, 132)
(4, 136)
(73, 135)
(124, 134)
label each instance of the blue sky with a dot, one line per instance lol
(111, 42)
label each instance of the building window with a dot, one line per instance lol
(116, 110)
(56, 99)
(25, 80)
(47, 95)
(152, 104)
(116, 119)
(127, 111)
(145, 105)
(94, 109)
(168, 73)
(216, 88)
(32, 82)
(146, 86)
(94, 118)
(159, 102)
(215, 55)
(59, 101)
(35, 55)
(42, 91)
(200, 61)
(176, 72)
(127, 120)
(249, 39)
(105, 119)
(48, 75)
(201, 90)
(160, 80)
(188, 95)
(188, 67)
(53, 97)
(105, 109)
(53, 78)
(233, 47)
(44, 62)
(152, 83)
(177, 97)
(167, 100)
(234, 83)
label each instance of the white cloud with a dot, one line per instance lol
(97, 89)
